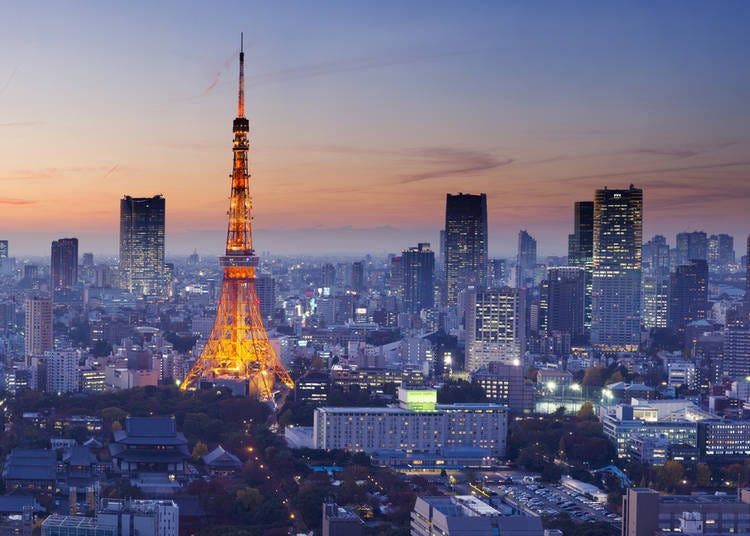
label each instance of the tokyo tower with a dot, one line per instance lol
(238, 349)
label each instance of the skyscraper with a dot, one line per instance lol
(498, 271)
(720, 252)
(418, 264)
(616, 285)
(566, 290)
(581, 251)
(328, 275)
(358, 276)
(495, 327)
(3, 249)
(64, 265)
(526, 260)
(38, 334)
(655, 283)
(142, 245)
(581, 242)
(691, 246)
(465, 243)
(747, 274)
(688, 295)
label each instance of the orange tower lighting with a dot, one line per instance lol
(238, 348)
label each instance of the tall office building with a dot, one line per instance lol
(616, 285)
(465, 243)
(64, 265)
(495, 327)
(3, 249)
(328, 275)
(581, 251)
(265, 286)
(87, 260)
(566, 290)
(526, 260)
(581, 242)
(692, 246)
(655, 283)
(418, 265)
(498, 272)
(142, 245)
(720, 252)
(747, 274)
(397, 278)
(38, 335)
(688, 295)
(358, 276)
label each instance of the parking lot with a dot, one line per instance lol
(553, 499)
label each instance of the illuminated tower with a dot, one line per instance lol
(238, 349)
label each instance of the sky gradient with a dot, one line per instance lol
(364, 115)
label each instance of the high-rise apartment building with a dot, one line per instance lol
(142, 245)
(62, 371)
(688, 295)
(465, 243)
(495, 327)
(418, 264)
(616, 285)
(64, 265)
(581, 251)
(526, 260)
(692, 246)
(736, 361)
(38, 334)
(566, 301)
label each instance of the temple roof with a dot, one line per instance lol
(221, 458)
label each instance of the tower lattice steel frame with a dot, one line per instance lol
(238, 347)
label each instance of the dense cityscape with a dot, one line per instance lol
(438, 389)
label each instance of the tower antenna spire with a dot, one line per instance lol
(241, 96)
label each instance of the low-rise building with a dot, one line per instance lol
(417, 425)
(340, 521)
(724, 439)
(149, 446)
(116, 517)
(462, 515)
(506, 385)
(646, 512)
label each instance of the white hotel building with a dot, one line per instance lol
(419, 424)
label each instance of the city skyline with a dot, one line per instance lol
(534, 105)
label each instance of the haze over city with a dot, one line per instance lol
(362, 117)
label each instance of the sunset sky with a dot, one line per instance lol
(365, 114)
